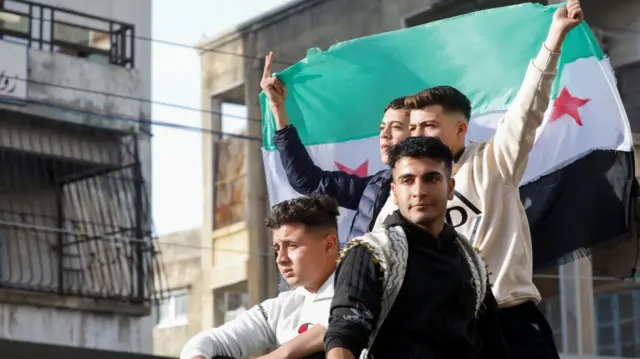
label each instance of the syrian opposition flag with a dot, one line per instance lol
(578, 185)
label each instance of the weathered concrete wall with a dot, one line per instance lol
(73, 328)
(79, 107)
(19, 133)
(230, 185)
(137, 13)
(231, 252)
(181, 254)
(220, 71)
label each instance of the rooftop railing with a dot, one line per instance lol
(66, 31)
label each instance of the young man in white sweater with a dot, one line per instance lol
(486, 207)
(305, 242)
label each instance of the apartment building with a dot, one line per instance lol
(595, 313)
(78, 266)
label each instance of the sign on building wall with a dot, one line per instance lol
(13, 71)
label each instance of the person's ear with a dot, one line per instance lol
(451, 189)
(331, 243)
(462, 129)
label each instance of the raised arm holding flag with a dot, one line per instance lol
(357, 190)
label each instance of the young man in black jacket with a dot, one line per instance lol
(414, 288)
(365, 195)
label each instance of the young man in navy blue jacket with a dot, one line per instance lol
(365, 195)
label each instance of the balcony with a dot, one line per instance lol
(56, 29)
(74, 217)
(69, 66)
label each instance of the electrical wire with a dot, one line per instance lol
(140, 121)
(110, 238)
(132, 98)
(177, 44)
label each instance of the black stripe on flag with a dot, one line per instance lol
(580, 206)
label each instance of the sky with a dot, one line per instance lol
(177, 154)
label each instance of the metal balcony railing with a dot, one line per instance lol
(75, 215)
(67, 31)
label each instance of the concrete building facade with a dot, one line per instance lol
(594, 313)
(178, 315)
(77, 261)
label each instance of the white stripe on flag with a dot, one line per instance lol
(351, 154)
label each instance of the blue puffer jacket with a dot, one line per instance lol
(365, 195)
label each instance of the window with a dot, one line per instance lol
(236, 300)
(618, 324)
(235, 303)
(172, 310)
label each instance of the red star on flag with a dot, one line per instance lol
(361, 171)
(567, 104)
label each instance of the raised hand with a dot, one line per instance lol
(564, 20)
(272, 87)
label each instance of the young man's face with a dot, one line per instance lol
(432, 121)
(393, 129)
(301, 254)
(422, 187)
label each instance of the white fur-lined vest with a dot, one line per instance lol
(389, 248)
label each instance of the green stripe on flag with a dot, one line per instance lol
(339, 95)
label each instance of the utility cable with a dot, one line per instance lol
(126, 97)
(145, 121)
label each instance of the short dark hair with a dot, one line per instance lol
(396, 104)
(450, 98)
(313, 211)
(417, 147)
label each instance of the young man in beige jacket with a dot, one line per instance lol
(487, 206)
